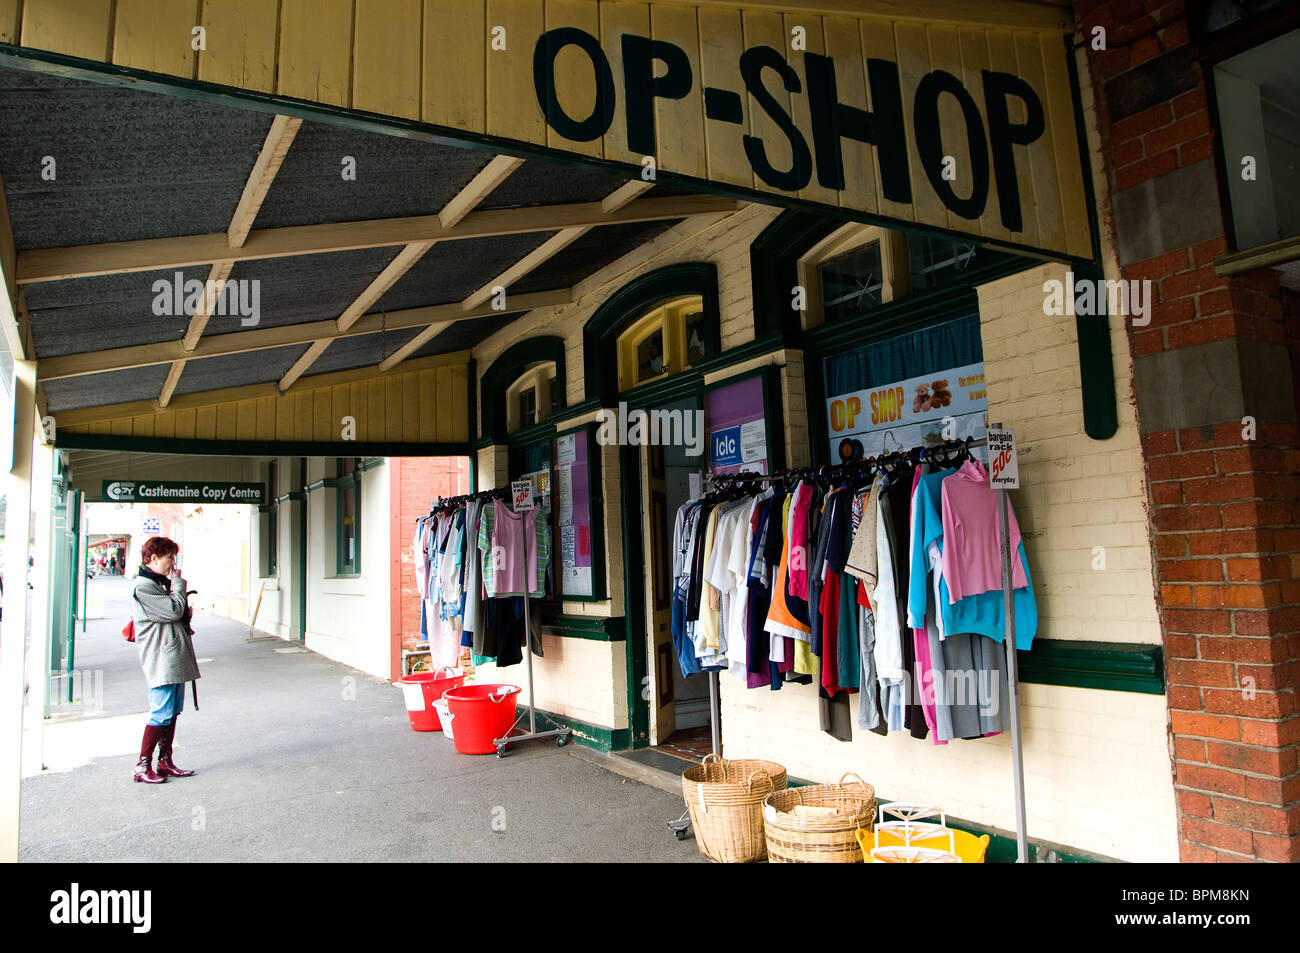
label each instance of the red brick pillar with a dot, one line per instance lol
(1216, 388)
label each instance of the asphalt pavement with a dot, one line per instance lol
(300, 758)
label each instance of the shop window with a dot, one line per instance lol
(348, 500)
(532, 396)
(915, 388)
(1255, 94)
(861, 268)
(528, 407)
(667, 340)
(852, 284)
(934, 263)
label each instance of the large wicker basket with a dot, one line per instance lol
(821, 838)
(725, 801)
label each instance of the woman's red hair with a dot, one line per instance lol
(158, 546)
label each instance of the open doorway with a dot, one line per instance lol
(679, 705)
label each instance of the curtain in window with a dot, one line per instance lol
(951, 343)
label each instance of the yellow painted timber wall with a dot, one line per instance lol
(427, 403)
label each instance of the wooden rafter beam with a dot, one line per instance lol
(619, 198)
(460, 205)
(624, 194)
(156, 254)
(274, 148)
(493, 174)
(413, 345)
(259, 339)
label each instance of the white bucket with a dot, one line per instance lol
(443, 708)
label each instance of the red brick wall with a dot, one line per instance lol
(1225, 506)
(420, 480)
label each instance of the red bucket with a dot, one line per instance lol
(481, 714)
(421, 690)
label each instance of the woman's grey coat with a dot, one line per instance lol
(166, 652)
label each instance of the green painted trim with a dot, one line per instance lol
(1111, 666)
(593, 628)
(685, 384)
(320, 485)
(1096, 362)
(503, 372)
(774, 267)
(256, 448)
(588, 735)
(638, 705)
(471, 395)
(532, 434)
(344, 569)
(370, 463)
(587, 406)
(596, 499)
(630, 302)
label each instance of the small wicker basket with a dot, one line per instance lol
(819, 837)
(725, 801)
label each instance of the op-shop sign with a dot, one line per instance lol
(1004, 465)
(176, 491)
(928, 124)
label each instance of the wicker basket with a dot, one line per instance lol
(725, 801)
(822, 838)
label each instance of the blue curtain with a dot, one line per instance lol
(951, 343)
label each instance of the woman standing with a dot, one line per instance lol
(162, 636)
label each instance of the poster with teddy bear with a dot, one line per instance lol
(916, 412)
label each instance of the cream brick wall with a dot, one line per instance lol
(1077, 494)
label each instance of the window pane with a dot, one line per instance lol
(852, 285)
(528, 407)
(695, 337)
(1256, 97)
(935, 263)
(650, 356)
(349, 526)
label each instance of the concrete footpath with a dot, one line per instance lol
(302, 759)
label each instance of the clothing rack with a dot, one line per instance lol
(562, 736)
(871, 466)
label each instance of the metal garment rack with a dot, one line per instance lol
(682, 824)
(562, 736)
